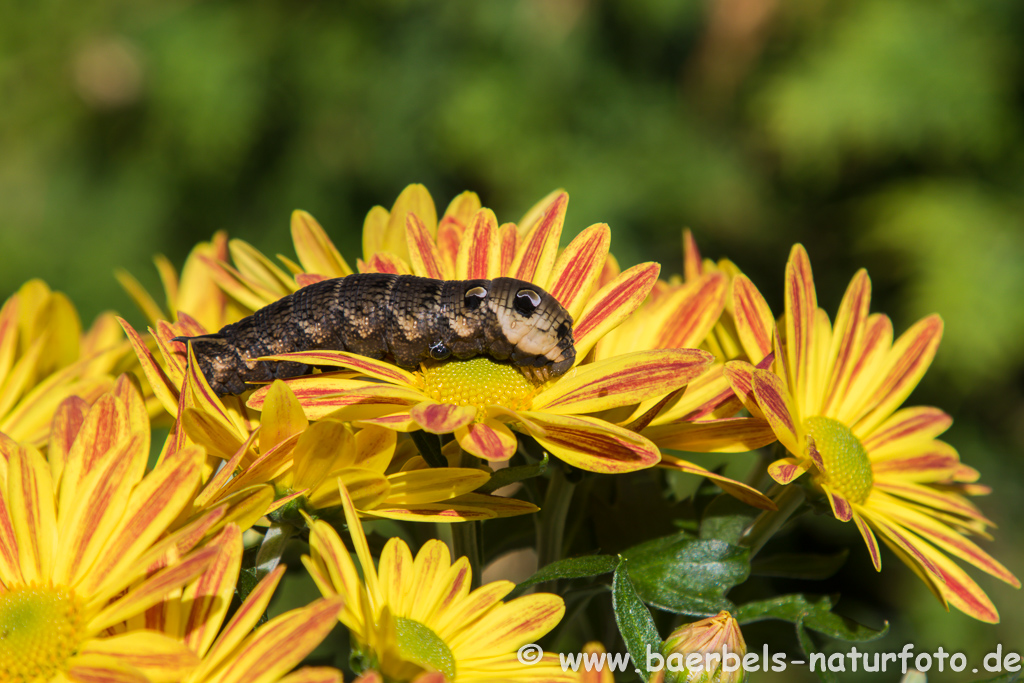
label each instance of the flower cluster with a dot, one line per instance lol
(123, 559)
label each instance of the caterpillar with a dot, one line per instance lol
(403, 318)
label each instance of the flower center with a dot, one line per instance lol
(847, 467)
(479, 382)
(40, 628)
(419, 644)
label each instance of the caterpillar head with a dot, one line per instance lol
(536, 326)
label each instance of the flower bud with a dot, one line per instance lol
(707, 651)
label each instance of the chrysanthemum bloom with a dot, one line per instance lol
(195, 292)
(45, 357)
(701, 416)
(479, 399)
(82, 540)
(706, 651)
(833, 397)
(277, 456)
(237, 654)
(411, 615)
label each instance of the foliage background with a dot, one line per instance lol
(880, 133)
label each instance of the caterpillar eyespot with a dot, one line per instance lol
(403, 318)
(527, 301)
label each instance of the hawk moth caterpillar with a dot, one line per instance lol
(401, 317)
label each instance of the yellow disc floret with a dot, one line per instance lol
(479, 382)
(40, 628)
(847, 467)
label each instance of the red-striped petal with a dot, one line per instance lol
(442, 418)
(424, 255)
(575, 273)
(316, 252)
(851, 323)
(778, 408)
(747, 494)
(755, 324)
(479, 256)
(623, 380)
(489, 440)
(612, 304)
(692, 312)
(801, 310)
(728, 435)
(540, 245)
(592, 444)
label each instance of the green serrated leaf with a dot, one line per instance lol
(792, 608)
(843, 628)
(799, 565)
(813, 612)
(687, 575)
(823, 672)
(511, 475)
(725, 519)
(569, 568)
(634, 620)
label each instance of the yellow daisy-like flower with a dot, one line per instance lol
(238, 654)
(195, 292)
(45, 357)
(411, 615)
(277, 456)
(700, 417)
(479, 399)
(833, 399)
(82, 543)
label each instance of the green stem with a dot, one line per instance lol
(551, 525)
(465, 543)
(466, 536)
(788, 499)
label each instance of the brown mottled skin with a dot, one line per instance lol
(401, 317)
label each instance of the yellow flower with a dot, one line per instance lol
(412, 615)
(194, 295)
(479, 399)
(82, 543)
(833, 397)
(45, 357)
(237, 654)
(701, 416)
(277, 456)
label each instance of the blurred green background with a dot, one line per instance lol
(880, 133)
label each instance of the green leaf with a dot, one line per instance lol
(725, 518)
(687, 575)
(824, 673)
(799, 565)
(634, 620)
(569, 568)
(813, 612)
(511, 475)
